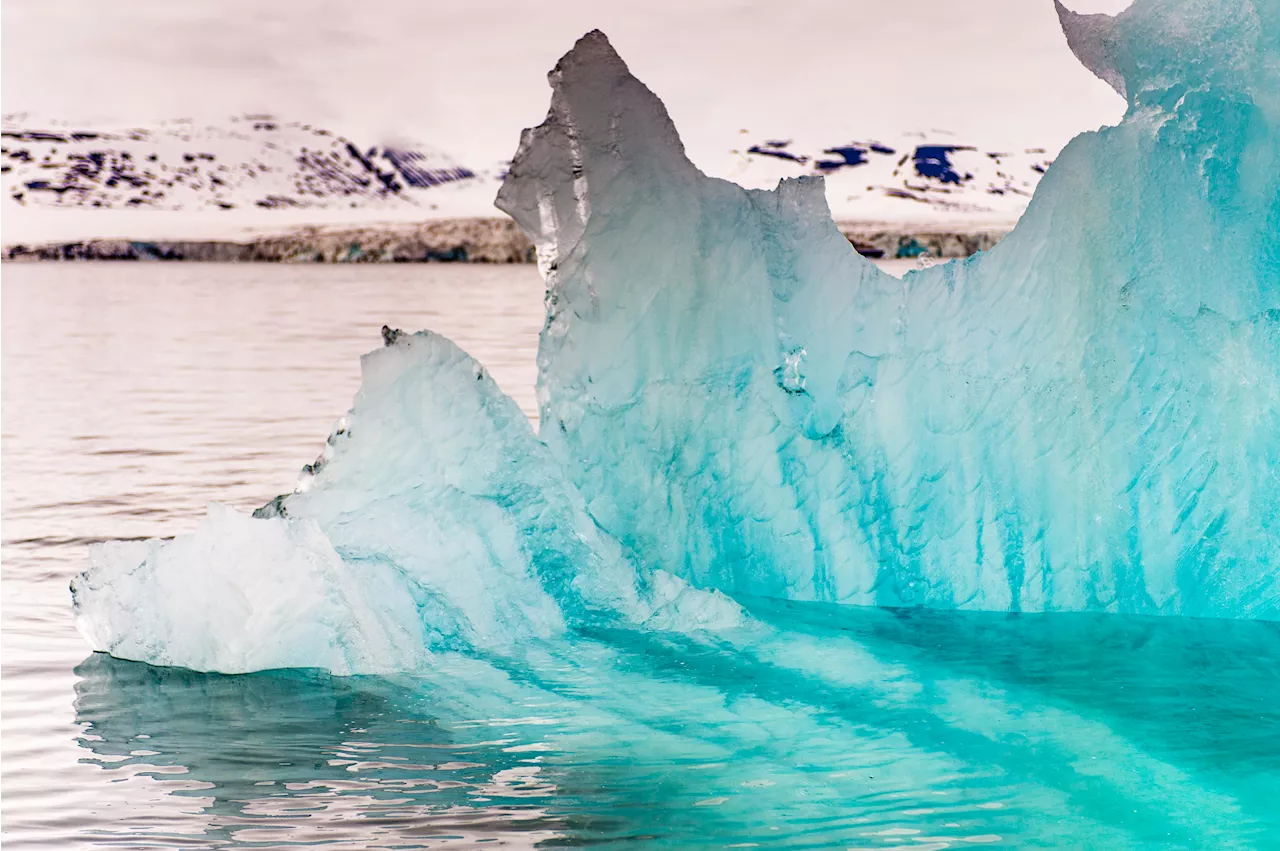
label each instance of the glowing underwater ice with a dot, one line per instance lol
(1086, 417)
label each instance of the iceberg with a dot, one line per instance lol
(1083, 418)
(735, 404)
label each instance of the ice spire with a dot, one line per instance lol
(1092, 38)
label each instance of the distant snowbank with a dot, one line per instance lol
(254, 177)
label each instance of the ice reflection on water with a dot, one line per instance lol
(133, 393)
(288, 757)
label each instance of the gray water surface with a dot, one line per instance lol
(136, 393)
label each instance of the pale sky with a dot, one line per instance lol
(467, 76)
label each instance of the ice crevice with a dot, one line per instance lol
(734, 403)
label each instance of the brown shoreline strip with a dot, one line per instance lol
(447, 240)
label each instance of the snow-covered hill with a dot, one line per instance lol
(922, 177)
(254, 161)
(254, 174)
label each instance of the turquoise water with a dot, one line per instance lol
(134, 393)
(856, 727)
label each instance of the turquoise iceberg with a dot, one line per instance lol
(1083, 418)
(733, 402)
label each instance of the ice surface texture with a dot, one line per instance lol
(1086, 417)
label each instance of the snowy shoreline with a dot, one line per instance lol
(466, 240)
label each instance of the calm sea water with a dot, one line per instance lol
(133, 394)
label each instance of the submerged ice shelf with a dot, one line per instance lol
(1086, 417)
